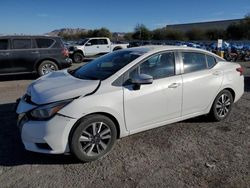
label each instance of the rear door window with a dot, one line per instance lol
(4, 43)
(211, 61)
(21, 43)
(102, 41)
(193, 61)
(44, 43)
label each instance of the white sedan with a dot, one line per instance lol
(84, 111)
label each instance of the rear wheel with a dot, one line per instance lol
(78, 57)
(46, 67)
(222, 106)
(93, 138)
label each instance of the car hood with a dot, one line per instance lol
(59, 85)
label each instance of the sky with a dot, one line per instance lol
(42, 16)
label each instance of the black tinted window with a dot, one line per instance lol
(105, 66)
(157, 66)
(93, 42)
(102, 41)
(21, 43)
(44, 43)
(193, 61)
(3, 44)
(210, 61)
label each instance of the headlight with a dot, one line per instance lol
(47, 111)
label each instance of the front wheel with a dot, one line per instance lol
(222, 106)
(94, 137)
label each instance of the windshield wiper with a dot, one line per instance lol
(88, 77)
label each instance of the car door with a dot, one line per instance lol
(91, 48)
(153, 104)
(23, 55)
(5, 63)
(201, 81)
(103, 45)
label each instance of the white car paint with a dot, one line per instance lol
(153, 111)
(93, 50)
(59, 86)
(152, 106)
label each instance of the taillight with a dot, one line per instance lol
(240, 70)
(65, 52)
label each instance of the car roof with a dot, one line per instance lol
(158, 48)
(151, 48)
(24, 36)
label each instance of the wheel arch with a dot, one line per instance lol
(231, 91)
(110, 116)
(80, 51)
(38, 63)
(228, 88)
(117, 48)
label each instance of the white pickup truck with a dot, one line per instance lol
(91, 47)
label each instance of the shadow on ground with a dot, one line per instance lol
(247, 84)
(18, 77)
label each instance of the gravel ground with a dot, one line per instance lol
(192, 153)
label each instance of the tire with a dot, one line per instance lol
(78, 57)
(46, 67)
(221, 107)
(117, 48)
(93, 138)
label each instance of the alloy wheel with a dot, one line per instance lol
(47, 68)
(223, 105)
(95, 138)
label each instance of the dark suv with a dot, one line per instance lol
(25, 54)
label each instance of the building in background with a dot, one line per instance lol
(222, 24)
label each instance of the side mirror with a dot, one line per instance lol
(141, 79)
(88, 44)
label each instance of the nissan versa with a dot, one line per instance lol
(84, 111)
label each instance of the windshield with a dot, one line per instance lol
(82, 42)
(105, 66)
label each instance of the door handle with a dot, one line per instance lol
(217, 73)
(5, 54)
(174, 85)
(97, 47)
(35, 52)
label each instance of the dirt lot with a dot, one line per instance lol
(193, 153)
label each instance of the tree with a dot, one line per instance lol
(172, 34)
(235, 32)
(246, 27)
(159, 34)
(196, 34)
(128, 36)
(102, 32)
(241, 30)
(214, 34)
(141, 32)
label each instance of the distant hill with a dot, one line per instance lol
(68, 31)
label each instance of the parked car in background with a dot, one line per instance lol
(91, 47)
(28, 54)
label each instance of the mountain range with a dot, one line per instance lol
(69, 31)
